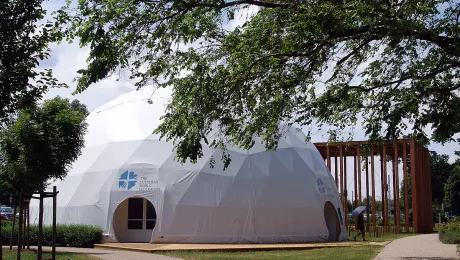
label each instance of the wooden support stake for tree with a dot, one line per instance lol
(24, 213)
(28, 225)
(397, 210)
(40, 229)
(21, 208)
(328, 158)
(12, 228)
(53, 257)
(1, 239)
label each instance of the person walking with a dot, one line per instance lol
(360, 227)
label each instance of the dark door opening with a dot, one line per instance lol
(332, 221)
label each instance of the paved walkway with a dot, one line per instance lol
(155, 247)
(112, 254)
(421, 247)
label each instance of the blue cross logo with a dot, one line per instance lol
(321, 187)
(127, 180)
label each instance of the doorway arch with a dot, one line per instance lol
(332, 221)
(134, 220)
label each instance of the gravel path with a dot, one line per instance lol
(421, 247)
(112, 254)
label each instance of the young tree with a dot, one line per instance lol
(396, 63)
(40, 143)
(24, 40)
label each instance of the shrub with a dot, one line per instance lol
(450, 232)
(66, 235)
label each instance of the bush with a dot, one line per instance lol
(66, 235)
(450, 232)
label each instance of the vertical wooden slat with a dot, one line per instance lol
(355, 172)
(414, 186)
(396, 178)
(358, 152)
(345, 188)
(430, 188)
(336, 172)
(342, 195)
(374, 220)
(406, 187)
(385, 187)
(367, 191)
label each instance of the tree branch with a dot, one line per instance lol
(354, 51)
(224, 4)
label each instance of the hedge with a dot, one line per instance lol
(66, 235)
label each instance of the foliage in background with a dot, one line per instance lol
(67, 235)
(452, 192)
(441, 169)
(24, 40)
(41, 142)
(395, 64)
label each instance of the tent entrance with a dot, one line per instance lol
(332, 221)
(134, 220)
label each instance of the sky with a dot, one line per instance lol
(67, 58)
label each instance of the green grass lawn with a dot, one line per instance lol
(358, 252)
(31, 255)
(362, 252)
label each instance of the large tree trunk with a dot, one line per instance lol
(12, 229)
(21, 208)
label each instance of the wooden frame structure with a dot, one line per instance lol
(403, 154)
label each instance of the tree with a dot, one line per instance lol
(395, 63)
(24, 40)
(452, 192)
(39, 144)
(441, 169)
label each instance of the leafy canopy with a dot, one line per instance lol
(395, 63)
(24, 40)
(42, 142)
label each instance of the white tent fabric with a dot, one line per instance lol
(262, 197)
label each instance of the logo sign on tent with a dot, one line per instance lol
(138, 180)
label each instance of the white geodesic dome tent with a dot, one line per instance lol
(128, 183)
